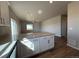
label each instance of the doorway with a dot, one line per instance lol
(64, 26)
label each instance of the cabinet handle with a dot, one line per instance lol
(1, 20)
(48, 41)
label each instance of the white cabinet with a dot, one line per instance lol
(31, 47)
(4, 13)
(36, 45)
(46, 43)
(32, 44)
(50, 41)
(43, 44)
(26, 48)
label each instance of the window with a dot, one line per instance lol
(29, 26)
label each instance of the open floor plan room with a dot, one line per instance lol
(39, 29)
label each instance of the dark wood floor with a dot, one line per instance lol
(61, 50)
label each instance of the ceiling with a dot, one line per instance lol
(38, 10)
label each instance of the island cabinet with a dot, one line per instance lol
(32, 46)
(50, 41)
(46, 43)
(28, 47)
(36, 45)
(43, 44)
(4, 14)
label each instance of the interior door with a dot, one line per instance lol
(64, 26)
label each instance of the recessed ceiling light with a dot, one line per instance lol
(50, 1)
(8, 3)
(40, 11)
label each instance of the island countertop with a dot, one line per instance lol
(35, 35)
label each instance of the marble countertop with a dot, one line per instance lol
(35, 35)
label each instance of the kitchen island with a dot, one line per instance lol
(34, 43)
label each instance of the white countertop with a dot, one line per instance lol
(35, 35)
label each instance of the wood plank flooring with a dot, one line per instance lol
(61, 50)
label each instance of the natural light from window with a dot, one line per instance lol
(28, 43)
(29, 26)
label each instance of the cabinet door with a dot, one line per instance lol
(50, 41)
(5, 13)
(43, 44)
(25, 48)
(36, 45)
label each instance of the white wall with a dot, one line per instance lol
(73, 25)
(36, 27)
(52, 25)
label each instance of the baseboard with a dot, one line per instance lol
(72, 46)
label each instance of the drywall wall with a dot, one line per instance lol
(73, 25)
(52, 25)
(36, 26)
(23, 26)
